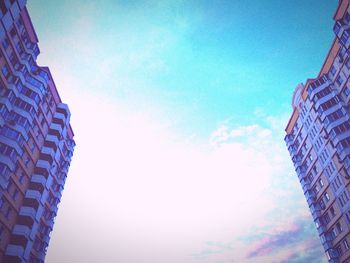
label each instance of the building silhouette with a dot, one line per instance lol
(318, 140)
(36, 141)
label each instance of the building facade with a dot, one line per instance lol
(36, 141)
(318, 140)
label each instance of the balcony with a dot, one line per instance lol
(315, 210)
(56, 127)
(51, 141)
(39, 179)
(28, 212)
(301, 170)
(5, 101)
(318, 85)
(57, 194)
(54, 209)
(63, 108)
(324, 99)
(43, 165)
(305, 185)
(29, 101)
(50, 222)
(339, 137)
(22, 230)
(332, 109)
(14, 143)
(71, 143)
(46, 239)
(337, 122)
(332, 254)
(23, 113)
(297, 160)
(7, 161)
(61, 180)
(48, 151)
(289, 139)
(35, 84)
(343, 153)
(33, 194)
(310, 197)
(14, 253)
(344, 38)
(59, 118)
(322, 229)
(339, 27)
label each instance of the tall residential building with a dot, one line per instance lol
(318, 140)
(36, 141)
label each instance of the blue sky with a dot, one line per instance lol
(179, 109)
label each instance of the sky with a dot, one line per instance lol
(179, 109)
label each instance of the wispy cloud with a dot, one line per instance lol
(293, 237)
(285, 230)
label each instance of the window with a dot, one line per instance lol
(310, 157)
(15, 194)
(31, 145)
(26, 160)
(42, 122)
(321, 183)
(334, 233)
(21, 178)
(339, 227)
(310, 177)
(313, 132)
(322, 205)
(346, 90)
(339, 250)
(333, 70)
(36, 131)
(344, 37)
(332, 211)
(346, 245)
(339, 80)
(8, 212)
(4, 170)
(329, 169)
(326, 197)
(326, 218)
(348, 216)
(337, 183)
(5, 43)
(5, 71)
(343, 198)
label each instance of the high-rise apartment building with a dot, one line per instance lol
(318, 140)
(36, 141)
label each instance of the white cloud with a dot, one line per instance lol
(137, 192)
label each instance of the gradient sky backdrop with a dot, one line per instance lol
(179, 109)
